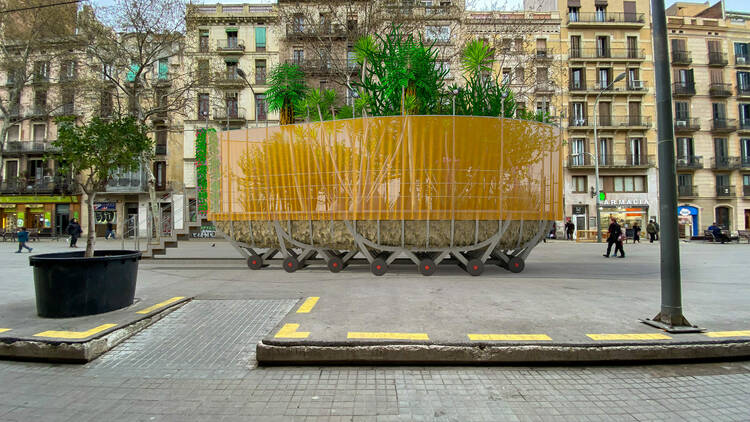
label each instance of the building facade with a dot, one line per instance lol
(711, 95)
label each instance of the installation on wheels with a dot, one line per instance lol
(430, 189)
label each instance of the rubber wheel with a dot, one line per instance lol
(475, 267)
(254, 262)
(335, 264)
(291, 264)
(427, 267)
(379, 267)
(516, 265)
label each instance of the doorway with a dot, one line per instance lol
(62, 219)
(747, 219)
(722, 218)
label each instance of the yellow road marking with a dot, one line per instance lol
(509, 337)
(745, 333)
(308, 305)
(75, 334)
(650, 336)
(2, 330)
(389, 336)
(290, 331)
(160, 305)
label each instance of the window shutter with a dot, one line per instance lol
(133, 72)
(260, 36)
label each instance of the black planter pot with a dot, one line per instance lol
(69, 285)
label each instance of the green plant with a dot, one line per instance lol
(287, 88)
(98, 150)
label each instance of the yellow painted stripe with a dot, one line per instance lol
(2, 330)
(290, 331)
(75, 334)
(308, 305)
(649, 336)
(160, 305)
(509, 337)
(388, 336)
(745, 333)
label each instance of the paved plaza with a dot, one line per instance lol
(198, 362)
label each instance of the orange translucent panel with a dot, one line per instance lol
(389, 168)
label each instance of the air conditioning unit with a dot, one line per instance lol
(681, 123)
(725, 191)
(636, 85)
(741, 60)
(682, 162)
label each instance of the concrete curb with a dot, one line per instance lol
(269, 354)
(79, 352)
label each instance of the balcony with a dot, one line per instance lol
(624, 122)
(716, 58)
(160, 149)
(686, 125)
(544, 54)
(689, 162)
(28, 147)
(227, 115)
(300, 31)
(578, 123)
(39, 111)
(129, 182)
(745, 162)
(544, 88)
(743, 91)
(746, 191)
(612, 161)
(683, 89)
(607, 54)
(630, 88)
(681, 58)
(719, 90)
(325, 67)
(744, 126)
(723, 125)
(609, 19)
(46, 185)
(230, 46)
(66, 110)
(725, 163)
(230, 78)
(687, 190)
(725, 191)
(742, 61)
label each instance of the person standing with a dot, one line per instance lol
(636, 233)
(569, 229)
(23, 237)
(110, 231)
(614, 237)
(651, 230)
(656, 230)
(74, 230)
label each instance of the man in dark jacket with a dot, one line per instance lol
(74, 230)
(615, 231)
(23, 237)
(714, 229)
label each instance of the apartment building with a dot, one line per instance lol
(710, 62)
(231, 48)
(607, 45)
(526, 48)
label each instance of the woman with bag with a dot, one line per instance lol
(616, 237)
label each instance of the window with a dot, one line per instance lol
(231, 70)
(351, 24)
(438, 33)
(623, 183)
(719, 111)
(163, 69)
(575, 46)
(261, 109)
(685, 148)
(40, 102)
(203, 41)
(298, 23)
(601, 13)
(629, 9)
(260, 72)
(633, 47)
(637, 157)
(605, 151)
(684, 180)
(260, 38)
(105, 104)
(506, 75)
(520, 76)
(577, 152)
(39, 132)
(603, 75)
(160, 175)
(14, 133)
(231, 103)
(541, 76)
(203, 106)
(745, 151)
(746, 186)
(573, 13)
(161, 140)
(743, 81)
(716, 76)
(41, 71)
(634, 113)
(11, 170)
(577, 79)
(579, 184)
(203, 71)
(722, 217)
(518, 44)
(298, 56)
(132, 73)
(351, 58)
(741, 53)
(231, 38)
(68, 70)
(682, 111)
(744, 114)
(602, 46)
(542, 107)
(721, 152)
(578, 114)
(325, 23)
(68, 95)
(634, 81)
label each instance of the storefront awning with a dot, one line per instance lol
(38, 199)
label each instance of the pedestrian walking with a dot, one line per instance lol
(651, 230)
(74, 230)
(23, 237)
(110, 231)
(636, 233)
(569, 230)
(615, 237)
(656, 227)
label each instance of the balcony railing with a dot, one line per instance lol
(687, 190)
(160, 149)
(229, 114)
(607, 53)
(624, 121)
(128, 182)
(689, 162)
(746, 190)
(720, 90)
(724, 125)
(260, 76)
(743, 91)
(725, 191)
(44, 185)
(231, 45)
(745, 161)
(606, 18)
(716, 58)
(744, 125)
(609, 160)
(66, 110)
(686, 124)
(742, 60)
(683, 88)
(29, 147)
(544, 87)
(324, 30)
(325, 67)
(681, 57)
(638, 87)
(229, 77)
(578, 122)
(725, 163)
(544, 53)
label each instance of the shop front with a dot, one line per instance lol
(36, 213)
(104, 213)
(687, 218)
(627, 212)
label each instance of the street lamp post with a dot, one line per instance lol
(619, 77)
(241, 73)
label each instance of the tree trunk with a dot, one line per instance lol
(91, 229)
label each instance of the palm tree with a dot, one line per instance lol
(288, 87)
